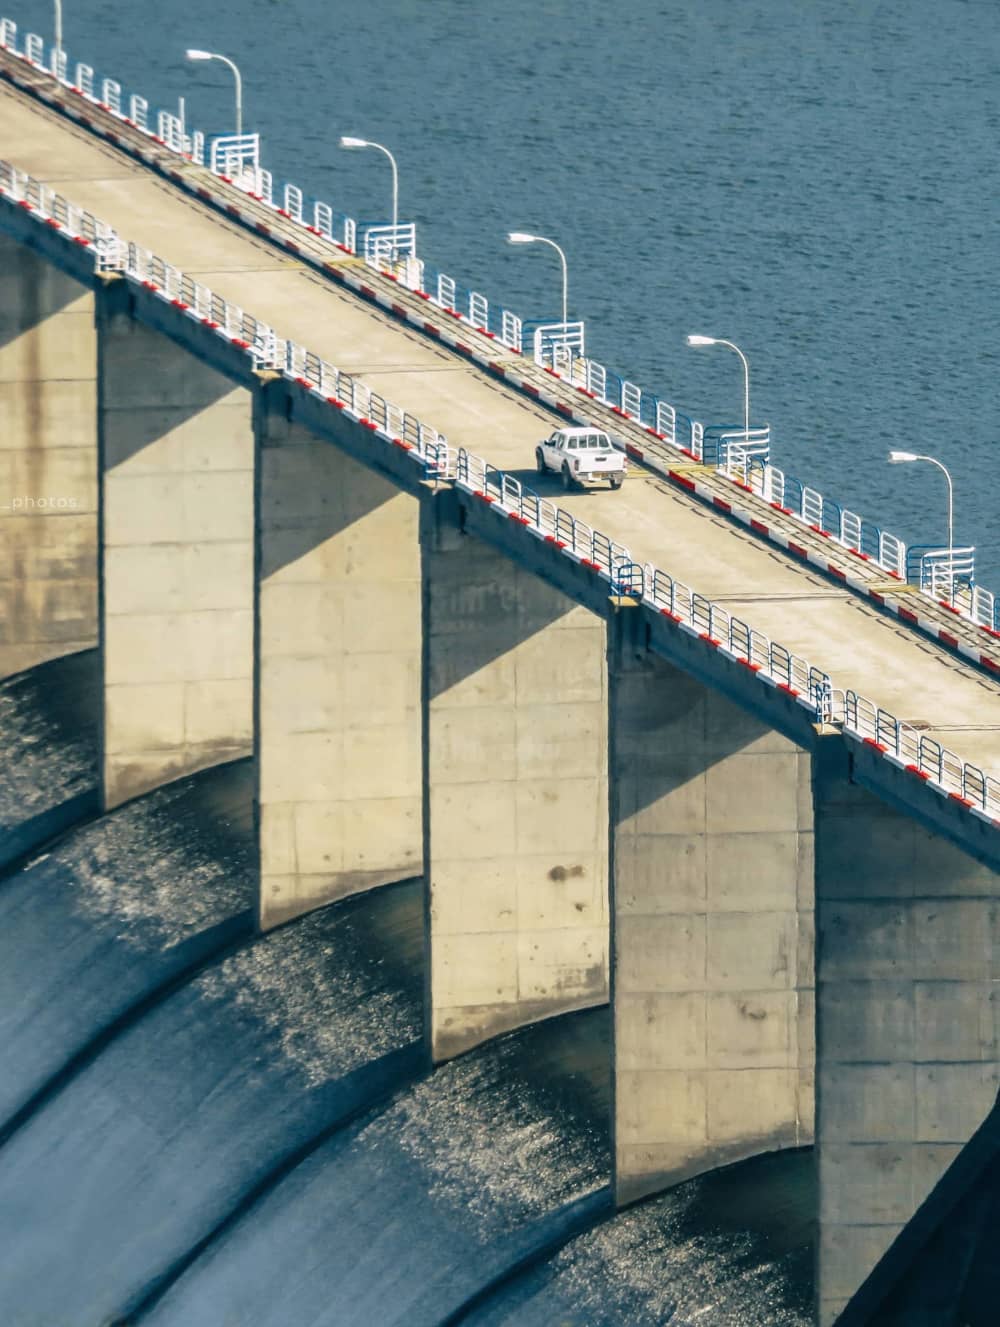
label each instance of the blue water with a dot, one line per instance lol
(814, 181)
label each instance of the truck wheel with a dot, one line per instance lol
(567, 476)
(539, 460)
(616, 481)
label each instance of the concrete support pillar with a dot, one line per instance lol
(48, 462)
(711, 888)
(176, 446)
(338, 667)
(908, 1018)
(515, 793)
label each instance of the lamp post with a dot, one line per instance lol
(349, 142)
(224, 59)
(901, 458)
(718, 341)
(59, 45)
(521, 237)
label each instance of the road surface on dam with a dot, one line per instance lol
(906, 674)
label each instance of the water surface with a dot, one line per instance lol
(814, 181)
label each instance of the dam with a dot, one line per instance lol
(506, 842)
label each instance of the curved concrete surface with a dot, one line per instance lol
(402, 1218)
(116, 909)
(48, 751)
(730, 1249)
(177, 1121)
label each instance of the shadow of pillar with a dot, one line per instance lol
(943, 1270)
(711, 892)
(908, 1025)
(48, 462)
(176, 462)
(338, 670)
(515, 791)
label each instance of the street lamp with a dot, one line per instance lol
(901, 458)
(521, 237)
(58, 4)
(349, 142)
(717, 341)
(209, 55)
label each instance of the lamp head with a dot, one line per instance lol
(896, 458)
(695, 340)
(347, 141)
(197, 55)
(520, 237)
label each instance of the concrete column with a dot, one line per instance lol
(515, 794)
(176, 445)
(48, 462)
(908, 1032)
(338, 660)
(711, 888)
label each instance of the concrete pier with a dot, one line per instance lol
(711, 892)
(176, 447)
(515, 793)
(908, 1034)
(338, 660)
(48, 462)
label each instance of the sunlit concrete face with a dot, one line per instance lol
(48, 462)
(338, 658)
(711, 828)
(908, 1027)
(176, 445)
(515, 723)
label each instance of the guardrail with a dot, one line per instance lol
(821, 514)
(748, 464)
(590, 548)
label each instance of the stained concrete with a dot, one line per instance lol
(176, 447)
(338, 659)
(48, 462)
(908, 1019)
(515, 793)
(711, 887)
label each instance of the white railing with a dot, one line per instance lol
(670, 426)
(547, 337)
(385, 245)
(231, 154)
(393, 426)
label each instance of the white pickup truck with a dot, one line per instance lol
(581, 455)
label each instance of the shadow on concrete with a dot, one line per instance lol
(489, 606)
(131, 420)
(670, 729)
(31, 290)
(943, 1269)
(549, 485)
(309, 494)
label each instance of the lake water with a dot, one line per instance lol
(815, 181)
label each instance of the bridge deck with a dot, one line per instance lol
(859, 647)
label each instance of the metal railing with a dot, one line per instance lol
(606, 557)
(744, 460)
